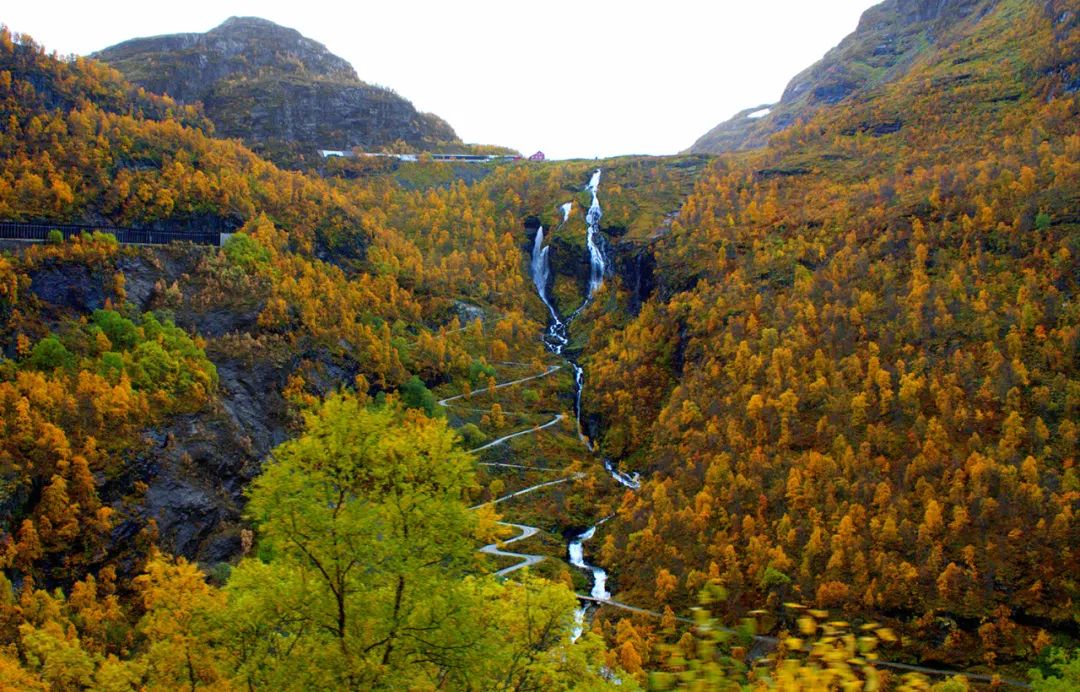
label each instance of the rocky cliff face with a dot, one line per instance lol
(189, 472)
(283, 94)
(889, 38)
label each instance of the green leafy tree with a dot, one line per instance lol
(122, 332)
(1061, 672)
(363, 519)
(527, 647)
(364, 575)
(49, 354)
(415, 394)
(245, 251)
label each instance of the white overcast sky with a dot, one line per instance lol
(575, 79)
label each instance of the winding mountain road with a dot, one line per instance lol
(527, 560)
(528, 431)
(551, 369)
(528, 490)
(516, 466)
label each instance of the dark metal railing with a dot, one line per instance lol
(17, 230)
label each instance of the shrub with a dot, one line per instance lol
(1059, 670)
(152, 367)
(111, 366)
(220, 573)
(122, 332)
(414, 394)
(244, 251)
(479, 372)
(471, 436)
(774, 577)
(100, 238)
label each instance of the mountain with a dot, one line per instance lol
(834, 379)
(890, 40)
(284, 94)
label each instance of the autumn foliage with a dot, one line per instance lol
(876, 404)
(855, 385)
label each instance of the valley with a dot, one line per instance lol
(797, 409)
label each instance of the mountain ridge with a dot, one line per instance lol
(888, 40)
(284, 94)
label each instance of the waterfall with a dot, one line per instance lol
(624, 479)
(594, 181)
(579, 385)
(566, 210)
(577, 559)
(540, 269)
(597, 265)
(555, 339)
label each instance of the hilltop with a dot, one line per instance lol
(283, 94)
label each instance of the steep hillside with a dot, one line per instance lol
(890, 40)
(283, 94)
(346, 282)
(146, 391)
(859, 385)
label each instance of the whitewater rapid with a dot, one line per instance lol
(599, 588)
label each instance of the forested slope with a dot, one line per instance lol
(860, 390)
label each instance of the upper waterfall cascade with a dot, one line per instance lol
(555, 339)
(597, 264)
(541, 271)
